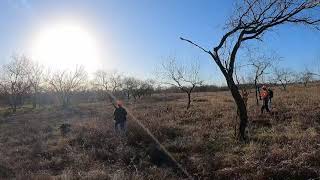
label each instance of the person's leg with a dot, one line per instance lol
(122, 125)
(270, 103)
(262, 108)
(266, 104)
(116, 126)
(123, 128)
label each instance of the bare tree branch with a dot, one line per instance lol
(186, 79)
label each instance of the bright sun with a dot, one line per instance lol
(64, 46)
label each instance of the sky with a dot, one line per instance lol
(135, 36)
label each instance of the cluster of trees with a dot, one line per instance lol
(18, 78)
(22, 79)
(260, 69)
(113, 82)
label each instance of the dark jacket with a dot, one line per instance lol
(120, 114)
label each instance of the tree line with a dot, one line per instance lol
(25, 80)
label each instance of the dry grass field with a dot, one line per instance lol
(283, 145)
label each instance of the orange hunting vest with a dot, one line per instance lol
(264, 94)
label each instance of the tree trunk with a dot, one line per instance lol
(284, 87)
(256, 86)
(34, 103)
(14, 103)
(305, 84)
(242, 109)
(14, 109)
(36, 93)
(35, 99)
(189, 100)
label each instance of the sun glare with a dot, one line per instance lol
(63, 46)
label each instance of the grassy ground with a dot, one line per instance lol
(283, 145)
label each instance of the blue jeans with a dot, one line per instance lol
(120, 126)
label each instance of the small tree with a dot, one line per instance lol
(129, 85)
(101, 83)
(306, 76)
(260, 65)
(101, 80)
(147, 87)
(107, 82)
(143, 88)
(36, 77)
(115, 80)
(14, 82)
(284, 77)
(250, 21)
(182, 77)
(65, 83)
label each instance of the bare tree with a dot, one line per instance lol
(107, 81)
(260, 65)
(129, 85)
(251, 20)
(101, 83)
(306, 77)
(143, 88)
(36, 77)
(101, 80)
(147, 87)
(137, 91)
(65, 83)
(14, 82)
(182, 77)
(115, 80)
(284, 77)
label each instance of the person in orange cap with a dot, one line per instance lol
(264, 96)
(120, 117)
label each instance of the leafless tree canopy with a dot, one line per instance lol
(144, 88)
(101, 80)
(182, 77)
(115, 80)
(36, 79)
(64, 83)
(283, 76)
(14, 83)
(261, 64)
(108, 81)
(129, 84)
(253, 18)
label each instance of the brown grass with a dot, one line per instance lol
(283, 145)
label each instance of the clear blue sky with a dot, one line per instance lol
(136, 35)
